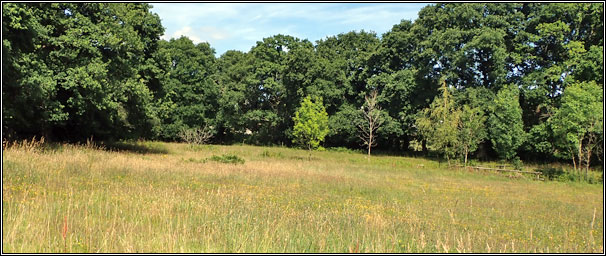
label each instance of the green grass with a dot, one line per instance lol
(162, 197)
(227, 158)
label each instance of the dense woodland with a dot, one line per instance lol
(488, 81)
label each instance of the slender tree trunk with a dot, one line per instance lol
(448, 160)
(466, 152)
(309, 150)
(370, 141)
(587, 159)
(580, 156)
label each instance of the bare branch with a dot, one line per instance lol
(372, 120)
(196, 135)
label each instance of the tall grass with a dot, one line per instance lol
(86, 198)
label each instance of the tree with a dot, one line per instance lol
(396, 95)
(557, 45)
(578, 123)
(189, 95)
(505, 124)
(233, 69)
(197, 136)
(341, 79)
(471, 129)
(71, 71)
(372, 121)
(311, 123)
(272, 91)
(438, 124)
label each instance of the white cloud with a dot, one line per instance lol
(214, 33)
(225, 25)
(185, 31)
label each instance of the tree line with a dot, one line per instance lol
(496, 80)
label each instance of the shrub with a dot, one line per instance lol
(551, 173)
(227, 158)
(517, 163)
(562, 175)
(196, 136)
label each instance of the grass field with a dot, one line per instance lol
(170, 197)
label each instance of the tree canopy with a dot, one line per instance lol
(311, 123)
(72, 71)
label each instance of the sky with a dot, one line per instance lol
(238, 26)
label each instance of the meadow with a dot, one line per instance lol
(172, 197)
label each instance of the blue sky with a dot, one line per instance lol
(238, 26)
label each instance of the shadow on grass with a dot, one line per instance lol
(136, 147)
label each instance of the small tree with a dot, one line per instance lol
(472, 129)
(578, 123)
(311, 123)
(372, 121)
(505, 125)
(438, 124)
(197, 136)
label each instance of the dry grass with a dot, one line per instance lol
(85, 199)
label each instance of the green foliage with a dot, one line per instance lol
(551, 173)
(439, 123)
(311, 123)
(399, 103)
(187, 97)
(342, 126)
(471, 129)
(505, 125)
(227, 159)
(578, 123)
(233, 70)
(517, 163)
(562, 175)
(72, 71)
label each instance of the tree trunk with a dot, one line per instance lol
(448, 160)
(587, 161)
(580, 156)
(589, 149)
(466, 152)
(309, 150)
(369, 142)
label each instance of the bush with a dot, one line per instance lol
(228, 159)
(551, 173)
(562, 175)
(517, 163)
(196, 136)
